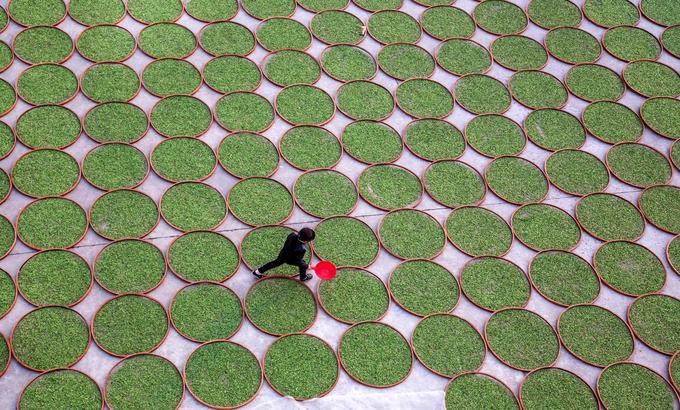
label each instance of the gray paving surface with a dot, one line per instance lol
(423, 389)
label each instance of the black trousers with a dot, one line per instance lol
(300, 263)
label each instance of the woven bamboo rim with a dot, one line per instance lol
(335, 356)
(526, 132)
(311, 24)
(486, 179)
(599, 137)
(437, 58)
(521, 385)
(160, 60)
(14, 41)
(188, 385)
(413, 114)
(498, 217)
(536, 107)
(499, 62)
(9, 14)
(216, 118)
(27, 153)
(87, 348)
(171, 140)
(479, 117)
(199, 283)
(377, 123)
(250, 13)
(232, 23)
(125, 12)
(161, 23)
(580, 235)
(625, 69)
(108, 377)
(84, 118)
(14, 298)
(93, 66)
(264, 139)
(674, 53)
(18, 231)
(347, 217)
(185, 183)
(104, 145)
(514, 265)
(125, 356)
(430, 8)
(18, 137)
(102, 250)
(370, 274)
(383, 208)
(600, 24)
(23, 392)
(75, 93)
(531, 264)
(414, 46)
(87, 292)
(488, 376)
(550, 28)
(415, 351)
(601, 277)
(336, 101)
(663, 158)
(563, 342)
(391, 252)
(265, 60)
(288, 18)
(232, 56)
(675, 268)
(182, 277)
(423, 179)
(158, 215)
(470, 110)
(556, 185)
(648, 217)
(632, 327)
(289, 161)
(376, 37)
(276, 277)
(526, 20)
(545, 44)
(502, 360)
(609, 30)
(597, 385)
(389, 290)
(175, 96)
(582, 97)
(130, 54)
(366, 53)
(146, 23)
(231, 210)
(307, 211)
(593, 234)
(404, 138)
(380, 324)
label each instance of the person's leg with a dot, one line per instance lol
(268, 266)
(302, 268)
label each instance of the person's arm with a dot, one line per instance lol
(293, 247)
(289, 244)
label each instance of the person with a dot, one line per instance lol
(292, 253)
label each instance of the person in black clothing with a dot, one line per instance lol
(292, 253)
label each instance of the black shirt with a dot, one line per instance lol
(293, 249)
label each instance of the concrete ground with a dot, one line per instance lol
(423, 389)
